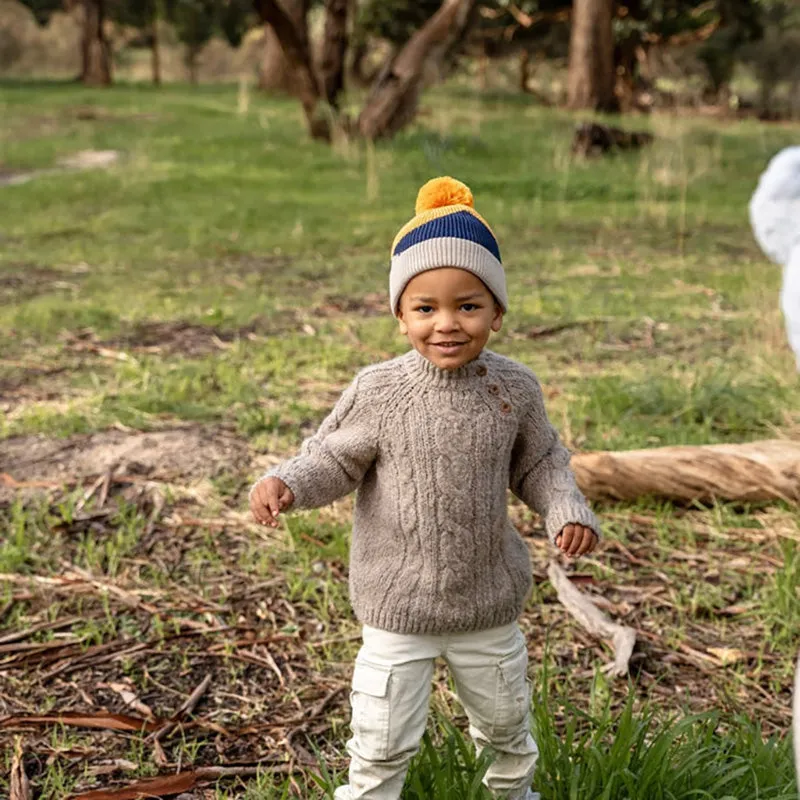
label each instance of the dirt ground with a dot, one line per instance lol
(31, 462)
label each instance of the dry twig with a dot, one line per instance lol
(20, 785)
(581, 607)
(186, 708)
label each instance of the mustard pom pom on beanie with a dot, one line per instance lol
(446, 232)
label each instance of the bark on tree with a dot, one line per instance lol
(358, 74)
(294, 43)
(95, 48)
(334, 49)
(155, 51)
(591, 79)
(190, 59)
(394, 97)
(524, 69)
(276, 73)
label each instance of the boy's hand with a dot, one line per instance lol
(576, 540)
(269, 497)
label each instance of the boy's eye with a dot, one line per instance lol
(425, 309)
(469, 306)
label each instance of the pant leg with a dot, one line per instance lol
(490, 670)
(391, 688)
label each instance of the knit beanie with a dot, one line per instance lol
(446, 231)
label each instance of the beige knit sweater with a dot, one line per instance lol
(432, 453)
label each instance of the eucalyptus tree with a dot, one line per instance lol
(194, 21)
(393, 98)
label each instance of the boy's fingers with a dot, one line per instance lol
(264, 504)
(577, 541)
(587, 542)
(566, 538)
(271, 499)
(261, 512)
(286, 498)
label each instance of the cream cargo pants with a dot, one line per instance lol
(391, 688)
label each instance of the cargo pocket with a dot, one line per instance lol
(369, 700)
(513, 695)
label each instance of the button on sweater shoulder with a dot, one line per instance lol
(432, 453)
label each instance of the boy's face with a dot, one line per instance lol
(448, 314)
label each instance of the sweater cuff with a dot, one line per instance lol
(570, 514)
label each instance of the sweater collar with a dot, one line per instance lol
(420, 369)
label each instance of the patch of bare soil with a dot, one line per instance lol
(26, 384)
(191, 452)
(10, 176)
(23, 281)
(90, 159)
(242, 265)
(168, 338)
(99, 114)
(83, 159)
(374, 304)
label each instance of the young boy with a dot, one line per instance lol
(432, 440)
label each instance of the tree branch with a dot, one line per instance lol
(594, 620)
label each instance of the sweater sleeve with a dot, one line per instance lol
(333, 462)
(540, 473)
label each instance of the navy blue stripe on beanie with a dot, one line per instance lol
(460, 225)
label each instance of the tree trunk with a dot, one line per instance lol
(334, 49)
(155, 52)
(483, 72)
(191, 63)
(524, 69)
(95, 49)
(392, 102)
(591, 78)
(294, 43)
(359, 54)
(276, 73)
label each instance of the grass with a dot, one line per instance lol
(229, 273)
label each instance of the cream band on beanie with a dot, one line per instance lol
(446, 232)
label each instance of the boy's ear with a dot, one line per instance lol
(402, 322)
(497, 321)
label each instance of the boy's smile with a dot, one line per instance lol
(448, 314)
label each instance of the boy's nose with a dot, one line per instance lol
(446, 322)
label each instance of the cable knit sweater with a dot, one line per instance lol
(432, 453)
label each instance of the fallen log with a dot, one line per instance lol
(755, 471)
